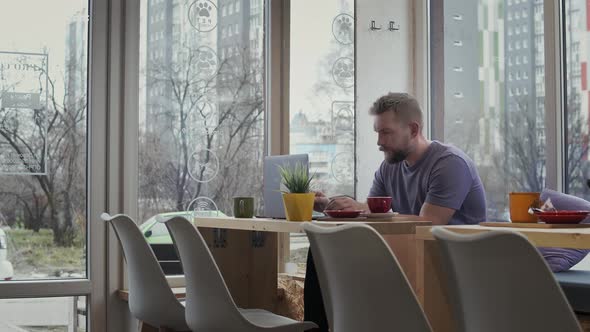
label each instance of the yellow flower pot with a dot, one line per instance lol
(298, 207)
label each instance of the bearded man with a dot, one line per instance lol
(427, 178)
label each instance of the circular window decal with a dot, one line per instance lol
(343, 72)
(343, 29)
(343, 120)
(202, 15)
(342, 167)
(203, 165)
(203, 207)
(206, 62)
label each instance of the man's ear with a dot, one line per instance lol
(414, 129)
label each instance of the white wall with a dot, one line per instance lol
(384, 63)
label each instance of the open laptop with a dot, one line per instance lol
(273, 198)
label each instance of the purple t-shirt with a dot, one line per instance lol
(444, 176)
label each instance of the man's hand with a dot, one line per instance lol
(345, 203)
(320, 201)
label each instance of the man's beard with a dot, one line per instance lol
(397, 156)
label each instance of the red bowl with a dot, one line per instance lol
(343, 213)
(379, 204)
(562, 217)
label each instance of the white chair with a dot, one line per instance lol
(363, 286)
(150, 297)
(209, 305)
(498, 281)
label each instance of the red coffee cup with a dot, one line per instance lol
(379, 204)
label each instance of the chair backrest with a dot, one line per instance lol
(363, 286)
(150, 297)
(499, 282)
(209, 305)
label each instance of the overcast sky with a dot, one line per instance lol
(311, 43)
(31, 25)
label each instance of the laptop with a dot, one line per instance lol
(272, 195)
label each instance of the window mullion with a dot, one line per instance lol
(277, 35)
(554, 97)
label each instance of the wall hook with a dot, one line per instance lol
(373, 27)
(393, 26)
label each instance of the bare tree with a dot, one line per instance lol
(60, 129)
(209, 124)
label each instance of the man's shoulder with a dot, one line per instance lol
(451, 152)
(452, 159)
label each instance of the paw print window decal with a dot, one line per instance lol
(343, 29)
(206, 63)
(343, 72)
(202, 15)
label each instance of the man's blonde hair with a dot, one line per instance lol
(404, 105)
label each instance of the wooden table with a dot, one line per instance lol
(431, 286)
(246, 251)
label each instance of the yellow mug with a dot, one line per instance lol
(519, 206)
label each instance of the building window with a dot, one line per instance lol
(502, 167)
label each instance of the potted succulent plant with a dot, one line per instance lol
(298, 199)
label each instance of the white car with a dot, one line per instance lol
(6, 271)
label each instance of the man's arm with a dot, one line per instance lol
(450, 183)
(346, 203)
(322, 202)
(439, 215)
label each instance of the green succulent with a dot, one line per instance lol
(296, 179)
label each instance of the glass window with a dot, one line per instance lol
(505, 136)
(199, 132)
(577, 165)
(44, 314)
(321, 101)
(43, 139)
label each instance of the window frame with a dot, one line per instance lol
(93, 287)
(555, 108)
